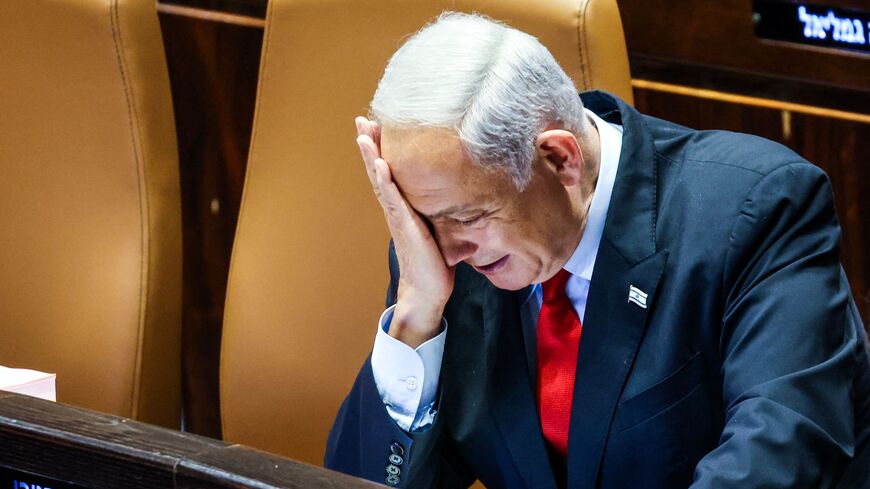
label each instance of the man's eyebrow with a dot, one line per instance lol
(454, 209)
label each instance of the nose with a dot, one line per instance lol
(454, 248)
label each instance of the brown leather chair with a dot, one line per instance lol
(309, 265)
(90, 216)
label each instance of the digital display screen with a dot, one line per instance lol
(812, 25)
(16, 479)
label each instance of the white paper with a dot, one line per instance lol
(28, 382)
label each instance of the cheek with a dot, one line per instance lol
(491, 235)
(502, 235)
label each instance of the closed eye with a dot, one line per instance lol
(470, 221)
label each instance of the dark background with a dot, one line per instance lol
(8, 476)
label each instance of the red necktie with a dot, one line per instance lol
(558, 342)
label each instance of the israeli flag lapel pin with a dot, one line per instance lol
(637, 296)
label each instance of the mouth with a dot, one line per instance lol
(492, 267)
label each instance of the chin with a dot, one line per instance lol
(509, 281)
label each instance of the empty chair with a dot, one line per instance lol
(90, 217)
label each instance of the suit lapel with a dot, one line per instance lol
(627, 265)
(612, 332)
(514, 406)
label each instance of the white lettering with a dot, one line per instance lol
(845, 30)
(860, 38)
(24, 485)
(840, 33)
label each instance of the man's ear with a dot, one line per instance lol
(561, 152)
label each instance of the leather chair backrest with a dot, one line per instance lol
(90, 215)
(309, 263)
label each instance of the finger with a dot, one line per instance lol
(384, 189)
(369, 155)
(391, 198)
(367, 148)
(362, 126)
(370, 128)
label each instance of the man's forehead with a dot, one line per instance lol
(419, 145)
(425, 161)
(434, 173)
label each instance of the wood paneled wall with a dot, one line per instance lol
(213, 50)
(712, 44)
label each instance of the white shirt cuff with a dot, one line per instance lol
(407, 378)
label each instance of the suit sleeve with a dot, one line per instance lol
(787, 341)
(366, 442)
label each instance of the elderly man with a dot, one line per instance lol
(583, 296)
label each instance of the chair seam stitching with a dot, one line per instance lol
(581, 46)
(143, 208)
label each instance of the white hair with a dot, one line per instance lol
(497, 87)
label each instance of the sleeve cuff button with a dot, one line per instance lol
(397, 448)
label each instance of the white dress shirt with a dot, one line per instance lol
(407, 378)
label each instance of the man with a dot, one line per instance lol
(588, 297)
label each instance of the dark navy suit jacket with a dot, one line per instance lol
(747, 368)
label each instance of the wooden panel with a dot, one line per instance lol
(712, 44)
(720, 33)
(213, 68)
(88, 449)
(709, 114)
(839, 147)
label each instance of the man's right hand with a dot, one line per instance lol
(425, 281)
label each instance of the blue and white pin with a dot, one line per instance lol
(637, 296)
